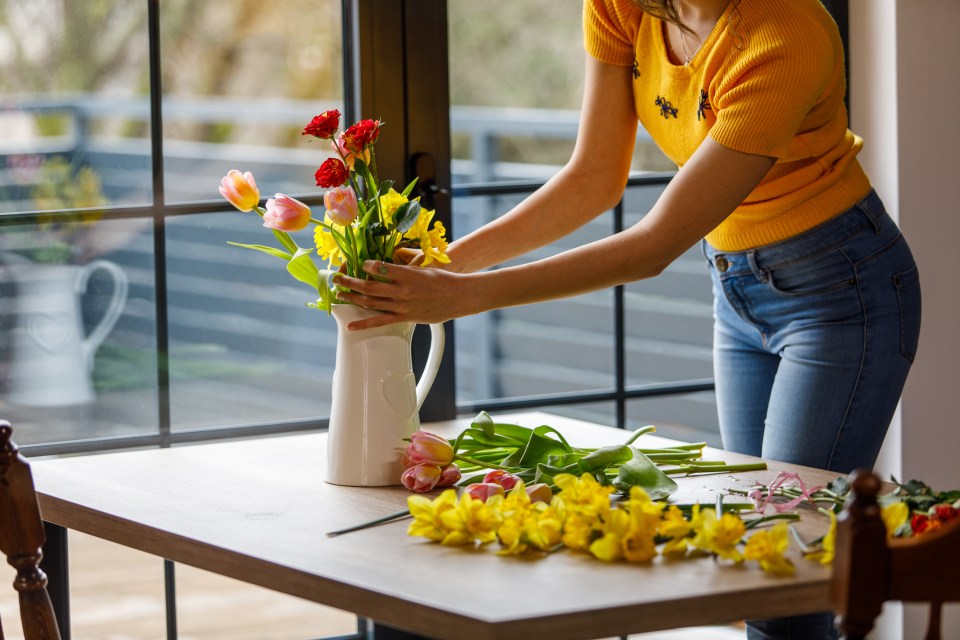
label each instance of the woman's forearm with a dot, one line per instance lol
(569, 200)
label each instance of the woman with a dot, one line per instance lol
(816, 294)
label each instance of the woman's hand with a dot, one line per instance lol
(407, 294)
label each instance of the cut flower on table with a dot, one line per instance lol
(582, 518)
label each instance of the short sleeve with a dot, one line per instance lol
(610, 30)
(761, 102)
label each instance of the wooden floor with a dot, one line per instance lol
(117, 594)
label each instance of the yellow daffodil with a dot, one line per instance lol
(586, 504)
(472, 520)
(427, 515)
(824, 555)
(894, 516)
(327, 247)
(389, 203)
(629, 532)
(719, 536)
(768, 548)
(677, 528)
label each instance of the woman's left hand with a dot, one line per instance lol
(405, 294)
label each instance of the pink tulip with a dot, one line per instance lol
(422, 477)
(240, 190)
(539, 492)
(429, 448)
(341, 203)
(449, 475)
(483, 490)
(286, 214)
(505, 479)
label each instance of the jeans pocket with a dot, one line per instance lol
(825, 273)
(908, 297)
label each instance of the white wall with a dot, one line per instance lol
(905, 102)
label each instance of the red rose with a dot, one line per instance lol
(332, 173)
(323, 125)
(945, 512)
(919, 523)
(360, 135)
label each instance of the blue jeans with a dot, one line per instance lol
(813, 339)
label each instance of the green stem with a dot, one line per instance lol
(755, 522)
(639, 432)
(692, 468)
(480, 463)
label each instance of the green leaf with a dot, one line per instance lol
(406, 215)
(605, 457)
(409, 188)
(273, 251)
(286, 240)
(385, 187)
(484, 422)
(641, 472)
(538, 448)
(302, 268)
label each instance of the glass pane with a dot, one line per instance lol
(74, 120)
(241, 79)
(551, 347)
(690, 417)
(243, 347)
(516, 89)
(78, 329)
(669, 329)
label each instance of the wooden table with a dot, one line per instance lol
(257, 511)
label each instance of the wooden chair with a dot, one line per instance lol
(21, 540)
(868, 569)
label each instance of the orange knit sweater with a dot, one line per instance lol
(768, 80)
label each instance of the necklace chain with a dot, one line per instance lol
(683, 43)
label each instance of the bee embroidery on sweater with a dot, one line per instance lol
(636, 69)
(666, 109)
(704, 105)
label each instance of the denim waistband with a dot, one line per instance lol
(869, 213)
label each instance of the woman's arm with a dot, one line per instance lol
(705, 191)
(589, 184)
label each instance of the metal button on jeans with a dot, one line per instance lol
(721, 263)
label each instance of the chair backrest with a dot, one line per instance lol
(22, 538)
(869, 569)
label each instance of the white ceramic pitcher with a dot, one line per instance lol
(51, 356)
(376, 399)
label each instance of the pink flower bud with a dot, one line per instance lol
(240, 190)
(286, 214)
(341, 203)
(422, 477)
(429, 448)
(483, 490)
(449, 475)
(505, 479)
(539, 492)
(348, 156)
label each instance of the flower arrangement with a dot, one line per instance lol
(537, 455)
(365, 217)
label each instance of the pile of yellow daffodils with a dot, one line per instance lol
(581, 517)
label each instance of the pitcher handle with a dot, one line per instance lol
(437, 341)
(112, 314)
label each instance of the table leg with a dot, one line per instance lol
(55, 565)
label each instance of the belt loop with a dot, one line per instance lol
(758, 272)
(872, 208)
